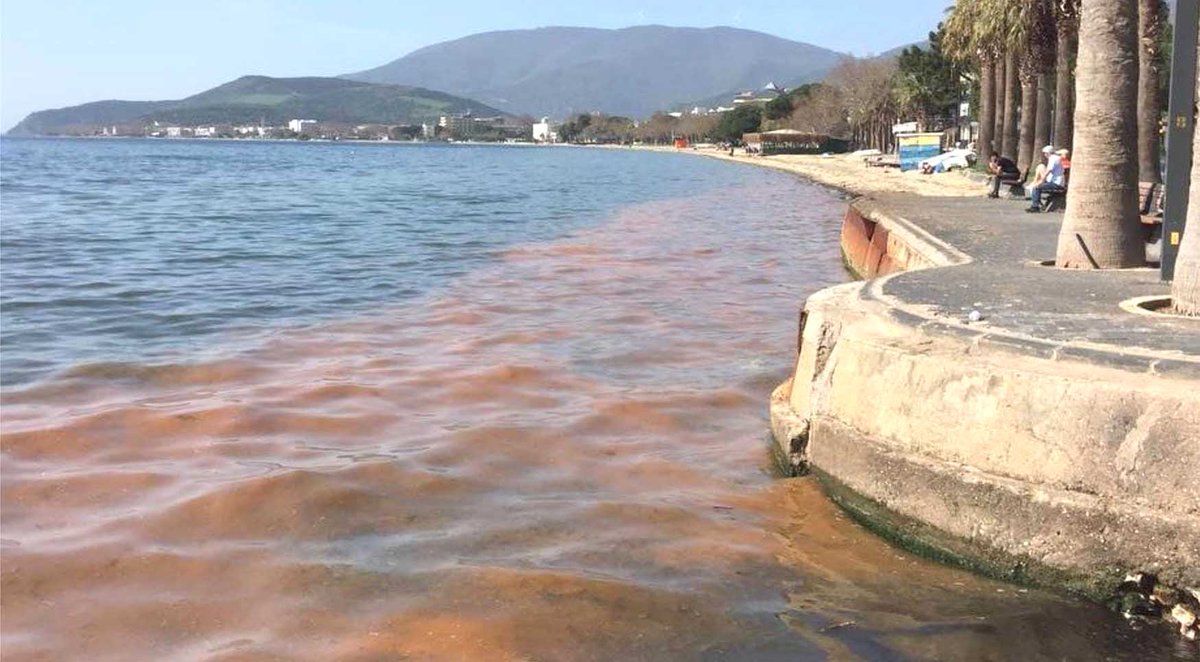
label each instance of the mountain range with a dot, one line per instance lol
(559, 71)
(554, 71)
(261, 99)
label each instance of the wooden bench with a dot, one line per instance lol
(1057, 200)
(1016, 187)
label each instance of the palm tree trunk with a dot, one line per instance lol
(1041, 131)
(1012, 103)
(998, 98)
(1101, 229)
(987, 109)
(1064, 85)
(1150, 20)
(1185, 290)
(1025, 146)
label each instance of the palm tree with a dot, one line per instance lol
(987, 107)
(1045, 112)
(1185, 290)
(1028, 126)
(1101, 228)
(973, 34)
(1001, 102)
(1066, 20)
(1012, 102)
(1150, 27)
(1032, 30)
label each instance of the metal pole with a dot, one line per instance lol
(1179, 129)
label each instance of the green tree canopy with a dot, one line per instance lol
(927, 81)
(779, 107)
(743, 119)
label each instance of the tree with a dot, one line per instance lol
(1012, 103)
(1030, 29)
(1001, 102)
(865, 90)
(1045, 113)
(1066, 19)
(927, 82)
(975, 32)
(733, 124)
(1185, 290)
(1028, 126)
(987, 108)
(820, 110)
(1101, 229)
(606, 129)
(659, 129)
(1151, 17)
(571, 129)
(778, 108)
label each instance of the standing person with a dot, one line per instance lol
(1003, 171)
(1054, 181)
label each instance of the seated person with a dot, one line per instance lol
(1065, 155)
(1054, 180)
(1004, 171)
(1039, 174)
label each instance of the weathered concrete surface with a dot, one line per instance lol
(1056, 457)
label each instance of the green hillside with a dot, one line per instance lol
(274, 101)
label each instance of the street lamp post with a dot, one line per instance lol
(1180, 126)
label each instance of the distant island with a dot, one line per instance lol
(265, 107)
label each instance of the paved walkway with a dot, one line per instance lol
(1048, 312)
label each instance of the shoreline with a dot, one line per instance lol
(1048, 440)
(948, 496)
(840, 172)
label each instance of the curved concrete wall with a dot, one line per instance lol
(1051, 471)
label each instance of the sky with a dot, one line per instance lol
(56, 53)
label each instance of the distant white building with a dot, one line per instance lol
(205, 132)
(457, 126)
(543, 132)
(174, 132)
(300, 126)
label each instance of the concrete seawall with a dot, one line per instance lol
(1014, 444)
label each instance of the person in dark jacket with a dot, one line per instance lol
(1004, 171)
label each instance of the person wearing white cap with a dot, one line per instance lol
(1052, 182)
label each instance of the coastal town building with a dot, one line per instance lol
(457, 126)
(543, 132)
(300, 126)
(768, 92)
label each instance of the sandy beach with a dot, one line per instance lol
(849, 174)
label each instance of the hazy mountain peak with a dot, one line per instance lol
(630, 71)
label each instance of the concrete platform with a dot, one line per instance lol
(1055, 441)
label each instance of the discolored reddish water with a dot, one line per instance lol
(561, 456)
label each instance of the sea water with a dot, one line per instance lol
(377, 401)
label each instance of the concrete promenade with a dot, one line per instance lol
(1054, 439)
